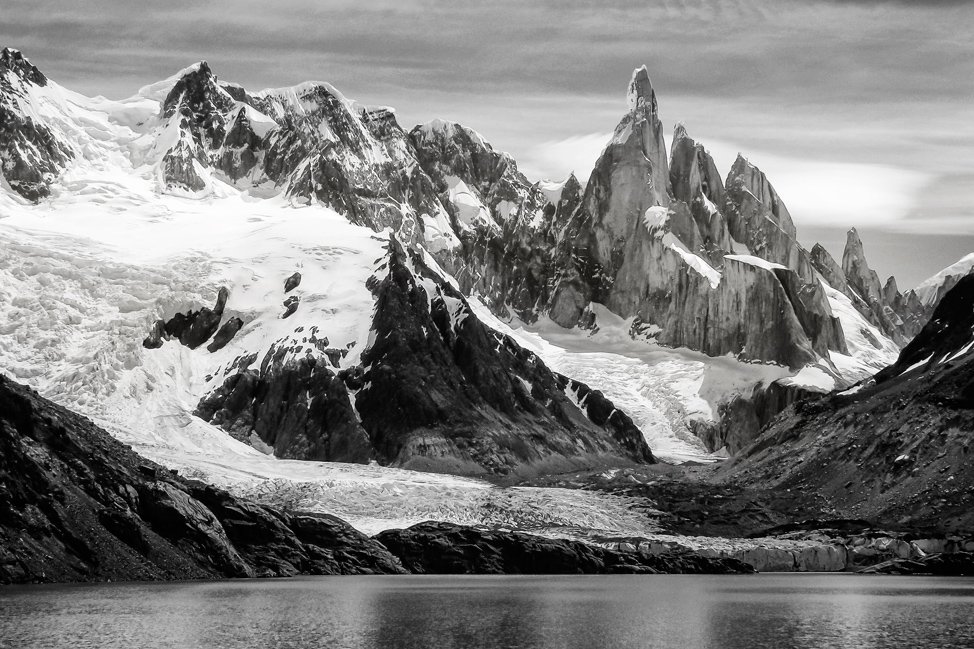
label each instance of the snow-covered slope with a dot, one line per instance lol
(933, 289)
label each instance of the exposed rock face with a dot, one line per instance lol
(79, 506)
(895, 450)
(225, 334)
(196, 327)
(949, 334)
(294, 404)
(697, 183)
(292, 282)
(32, 155)
(758, 218)
(743, 417)
(864, 283)
(660, 250)
(444, 548)
(444, 391)
(436, 390)
(290, 306)
(508, 228)
(862, 279)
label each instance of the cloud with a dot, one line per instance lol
(554, 160)
(834, 194)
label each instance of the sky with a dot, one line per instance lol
(860, 112)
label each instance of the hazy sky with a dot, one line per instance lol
(860, 112)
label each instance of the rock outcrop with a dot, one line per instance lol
(194, 328)
(295, 404)
(444, 548)
(435, 389)
(32, 154)
(77, 505)
(442, 388)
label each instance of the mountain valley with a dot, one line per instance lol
(309, 320)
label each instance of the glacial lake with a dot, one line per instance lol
(680, 611)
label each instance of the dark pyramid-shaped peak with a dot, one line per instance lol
(199, 91)
(13, 60)
(861, 277)
(891, 292)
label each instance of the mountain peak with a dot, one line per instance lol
(197, 87)
(679, 132)
(641, 88)
(13, 60)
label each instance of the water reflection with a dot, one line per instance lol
(686, 612)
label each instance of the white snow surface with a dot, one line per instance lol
(661, 388)
(928, 289)
(696, 262)
(755, 261)
(869, 349)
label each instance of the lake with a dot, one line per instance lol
(680, 611)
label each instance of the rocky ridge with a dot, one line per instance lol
(892, 449)
(32, 155)
(435, 390)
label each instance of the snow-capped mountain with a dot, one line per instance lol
(447, 313)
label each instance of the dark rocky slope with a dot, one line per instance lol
(896, 450)
(76, 505)
(32, 155)
(436, 390)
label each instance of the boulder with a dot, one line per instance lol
(292, 282)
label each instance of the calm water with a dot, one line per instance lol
(780, 611)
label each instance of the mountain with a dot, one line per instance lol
(894, 448)
(300, 272)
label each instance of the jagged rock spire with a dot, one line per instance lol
(641, 93)
(695, 181)
(643, 122)
(753, 180)
(860, 276)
